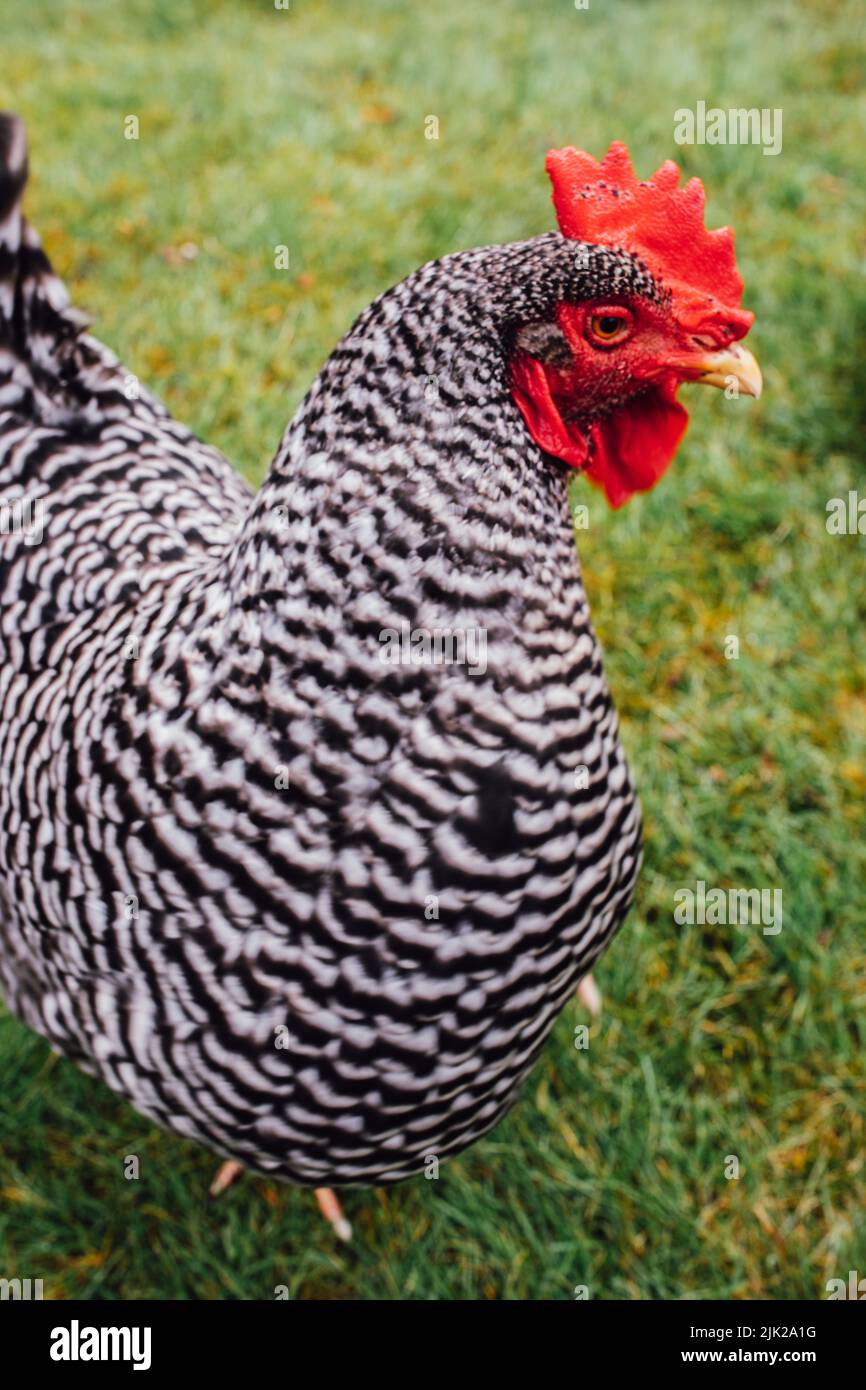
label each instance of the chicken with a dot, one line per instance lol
(313, 811)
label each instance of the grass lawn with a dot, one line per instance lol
(305, 128)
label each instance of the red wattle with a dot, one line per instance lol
(633, 445)
(531, 392)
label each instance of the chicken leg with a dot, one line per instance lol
(329, 1203)
(589, 995)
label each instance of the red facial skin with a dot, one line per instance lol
(613, 412)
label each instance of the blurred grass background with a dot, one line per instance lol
(305, 127)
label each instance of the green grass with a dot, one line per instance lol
(305, 128)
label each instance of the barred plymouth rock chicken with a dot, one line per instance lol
(313, 812)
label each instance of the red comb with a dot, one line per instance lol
(607, 205)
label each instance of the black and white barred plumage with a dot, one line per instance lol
(313, 908)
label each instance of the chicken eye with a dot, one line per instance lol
(609, 327)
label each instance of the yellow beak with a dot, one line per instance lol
(733, 364)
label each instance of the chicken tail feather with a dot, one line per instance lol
(40, 333)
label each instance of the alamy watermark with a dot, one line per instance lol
(77, 1343)
(744, 907)
(23, 516)
(739, 126)
(435, 646)
(855, 1288)
(846, 516)
(23, 1290)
